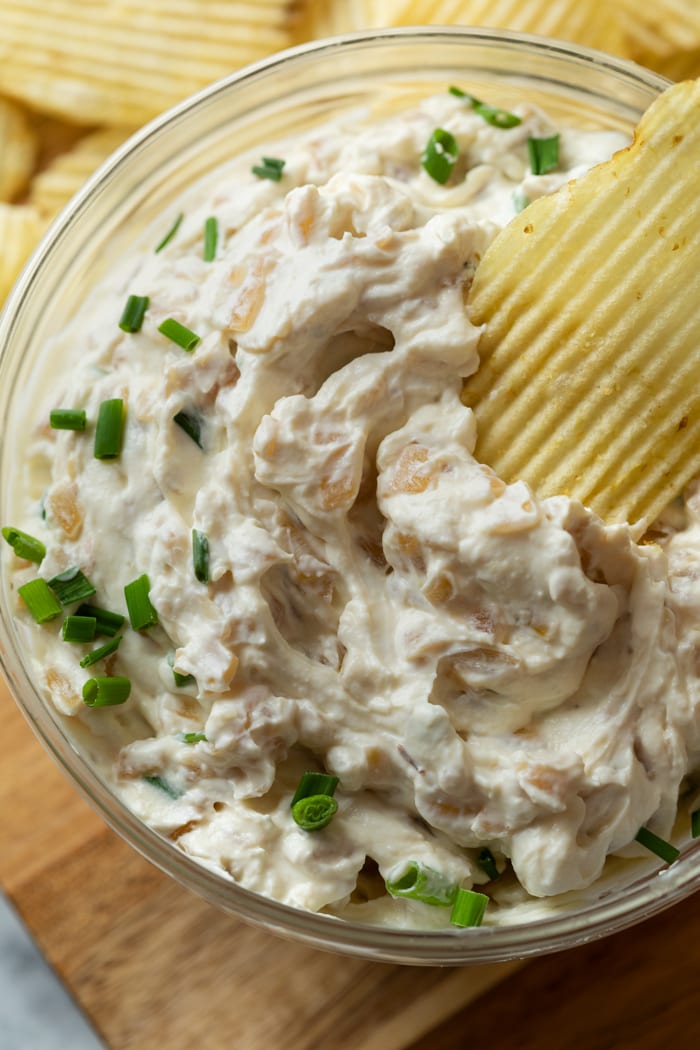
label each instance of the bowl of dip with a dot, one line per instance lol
(279, 627)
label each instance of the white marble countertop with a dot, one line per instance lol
(36, 1012)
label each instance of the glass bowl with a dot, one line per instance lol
(290, 92)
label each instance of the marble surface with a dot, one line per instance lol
(36, 1012)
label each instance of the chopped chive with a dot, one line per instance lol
(200, 555)
(109, 432)
(487, 863)
(211, 238)
(171, 233)
(107, 622)
(419, 882)
(695, 824)
(314, 812)
(71, 586)
(191, 424)
(497, 118)
(544, 154)
(193, 738)
(68, 419)
(78, 628)
(177, 333)
(657, 845)
(24, 545)
(468, 908)
(163, 785)
(440, 155)
(315, 784)
(138, 603)
(40, 600)
(271, 168)
(134, 313)
(180, 679)
(101, 652)
(493, 115)
(106, 692)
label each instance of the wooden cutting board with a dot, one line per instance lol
(153, 966)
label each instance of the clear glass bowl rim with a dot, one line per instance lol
(419, 947)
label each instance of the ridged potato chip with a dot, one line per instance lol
(18, 149)
(587, 22)
(20, 230)
(664, 36)
(101, 62)
(53, 187)
(590, 377)
(335, 16)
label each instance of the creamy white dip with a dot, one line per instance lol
(477, 667)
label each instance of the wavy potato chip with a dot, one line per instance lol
(664, 36)
(53, 187)
(590, 377)
(672, 24)
(101, 62)
(587, 22)
(336, 16)
(18, 149)
(20, 230)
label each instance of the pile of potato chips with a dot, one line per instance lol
(77, 76)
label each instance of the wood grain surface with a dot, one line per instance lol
(153, 966)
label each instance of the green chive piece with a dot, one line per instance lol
(493, 115)
(40, 600)
(544, 154)
(200, 555)
(315, 784)
(191, 424)
(193, 738)
(138, 603)
(109, 432)
(271, 168)
(657, 845)
(134, 313)
(71, 586)
(211, 238)
(180, 679)
(695, 824)
(178, 334)
(68, 419)
(171, 233)
(420, 883)
(440, 155)
(78, 628)
(24, 545)
(468, 908)
(163, 785)
(497, 118)
(314, 812)
(107, 623)
(106, 692)
(101, 652)
(487, 863)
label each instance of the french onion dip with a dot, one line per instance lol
(502, 686)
